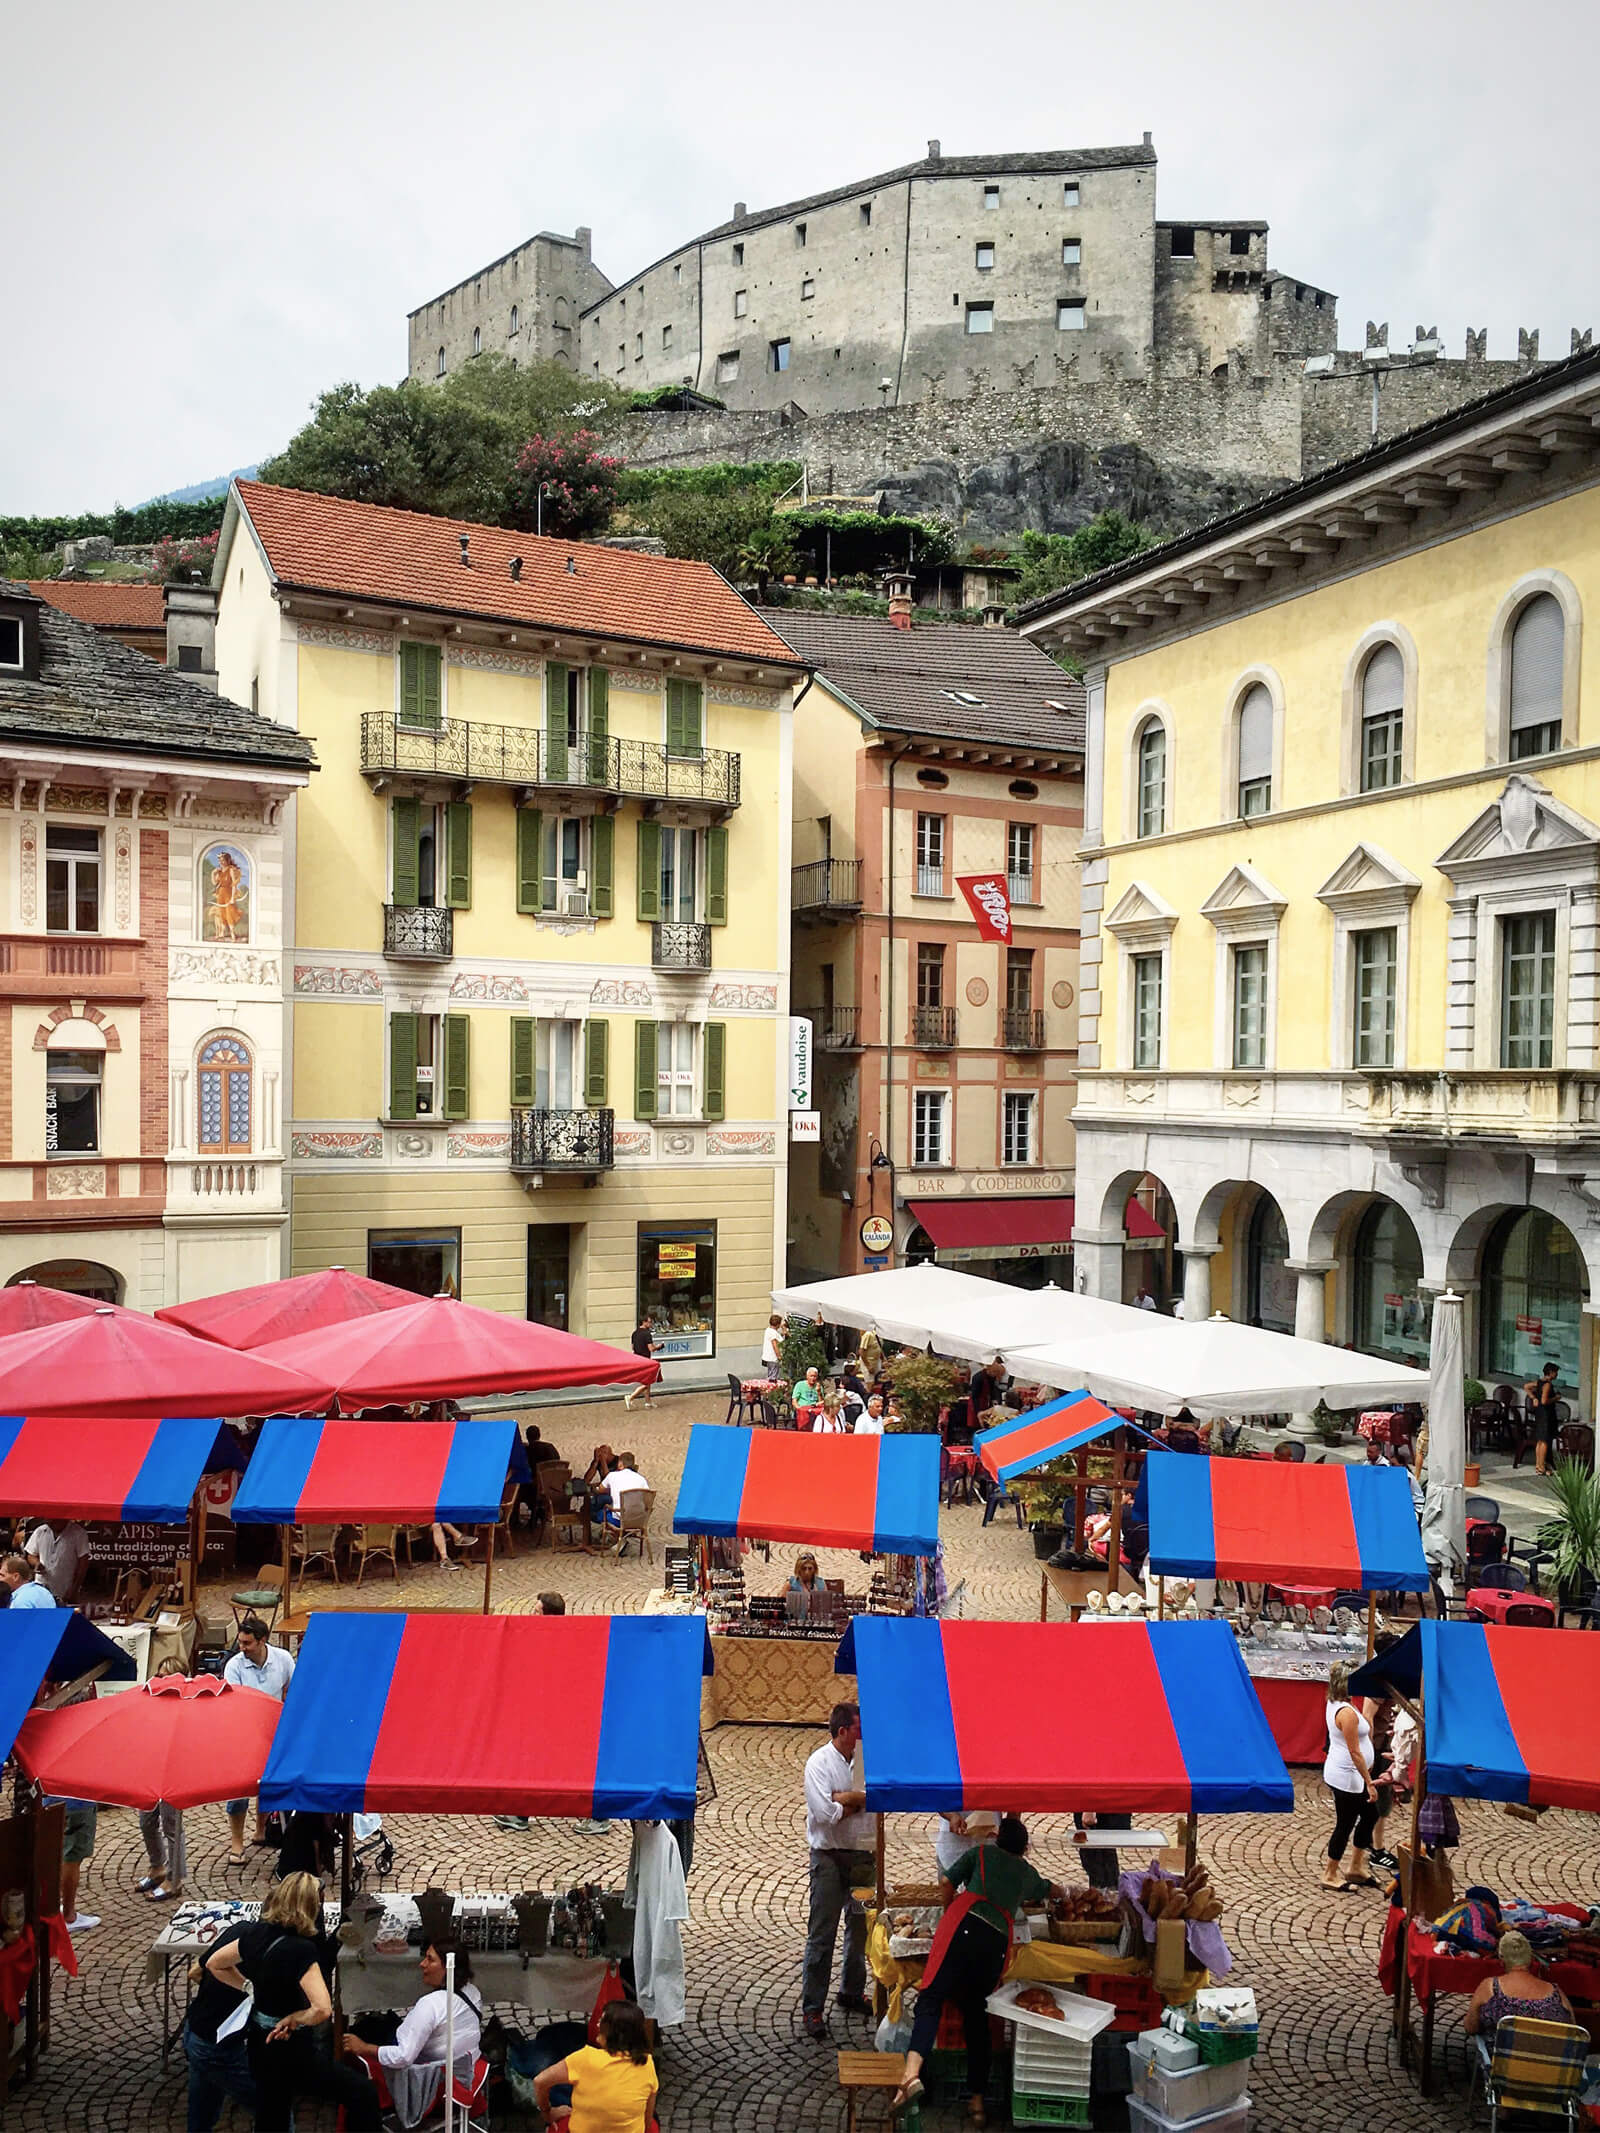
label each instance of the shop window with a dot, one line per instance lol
(929, 1128)
(1374, 991)
(1250, 1005)
(1016, 1139)
(1255, 752)
(426, 1262)
(1151, 758)
(1019, 862)
(71, 879)
(930, 855)
(1528, 990)
(1147, 978)
(1392, 1315)
(1538, 650)
(1533, 1292)
(72, 1103)
(1383, 699)
(222, 1087)
(920, 1250)
(1270, 1297)
(678, 1289)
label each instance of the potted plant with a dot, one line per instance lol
(1327, 1424)
(923, 1386)
(1044, 1500)
(1572, 1535)
(800, 1349)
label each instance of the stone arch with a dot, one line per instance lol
(1206, 1228)
(77, 1277)
(100, 1035)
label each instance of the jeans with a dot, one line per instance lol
(832, 1876)
(302, 2065)
(216, 2073)
(1351, 1811)
(161, 1827)
(971, 1970)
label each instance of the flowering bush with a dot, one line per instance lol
(579, 486)
(180, 562)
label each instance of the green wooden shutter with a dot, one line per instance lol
(458, 854)
(555, 722)
(530, 839)
(599, 726)
(716, 877)
(683, 718)
(602, 865)
(523, 1085)
(402, 1066)
(406, 816)
(596, 1057)
(716, 1102)
(421, 685)
(649, 883)
(457, 1067)
(644, 1070)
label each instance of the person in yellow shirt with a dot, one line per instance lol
(613, 2083)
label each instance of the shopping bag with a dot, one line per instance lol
(611, 1988)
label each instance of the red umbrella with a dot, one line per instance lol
(26, 1304)
(440, 1349)
(122, 1363)
(282, 1310)
(185, 1742)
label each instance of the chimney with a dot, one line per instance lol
(191, 613)
(739, 211)
(994, 614)
(466, 559)
(572, 566)
(1147, 141)
(516, 570)
(583, 237)
(897, 583)
(933, 151)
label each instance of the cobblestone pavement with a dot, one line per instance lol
(742, 2059)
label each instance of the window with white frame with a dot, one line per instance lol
(1374, 991)
(1019, 862)
(929, 1121)
(1255, 752)
(1016, 1129)
(677, 1050)
(1528, 990)
(71, 879)
(564, 878)
(1538, 655)
(72, 1102)
(681, 874)
(1383, 718)
(1147, 978)
(1250, 1005)
(1151, 816)
(557, 1071)
(930, 855)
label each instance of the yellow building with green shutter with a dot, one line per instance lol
(539, 898)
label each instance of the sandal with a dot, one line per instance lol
(163, 1895)
(1358, 1881)
(236, 1858)
(908, 2092)
(150, 1881)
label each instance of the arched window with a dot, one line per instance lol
(1533, 1292)
(1383, 715)
(223, 1087)
(1392, 1315)
(1151, 797)
(477, 340)
(1538, 654)
(1255, 751)
(440, 371)
(1270, 1296)
(516, 322)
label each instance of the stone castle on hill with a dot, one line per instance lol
(1010, 340)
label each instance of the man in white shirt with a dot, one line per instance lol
(839, 1834)
(623, 1477)
(869, 1423)
(269, 1668)
(60, 1548)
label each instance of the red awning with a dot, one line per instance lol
(981, 1227)
(279, 1310)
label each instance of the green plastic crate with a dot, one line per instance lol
(944, 2075)
(1048, 2110)
(1219, 2047)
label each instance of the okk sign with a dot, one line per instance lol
(989, 904)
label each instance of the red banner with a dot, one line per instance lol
(989, 904)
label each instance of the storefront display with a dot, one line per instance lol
(1392, 1315)
(678, 1289)
(1533, 1289)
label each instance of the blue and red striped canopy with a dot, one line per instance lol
(493, 1714)
(1147, 1717)
(39, 1644)
(877, 1493)
(1349, 1527)
(1044, 1433)
(306, 1469)
(87, 1466)
(1511, 1713)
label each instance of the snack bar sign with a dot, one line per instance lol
(989, 904)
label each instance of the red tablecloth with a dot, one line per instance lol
(1302, 1595)
(1489, 1604)
(1431, 1973)
(1297, 1713)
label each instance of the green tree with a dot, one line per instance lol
(707, 529)
(1052, 560)
(767, 553)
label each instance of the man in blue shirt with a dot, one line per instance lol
(26, 1589)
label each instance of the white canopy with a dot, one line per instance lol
(1124, 1356)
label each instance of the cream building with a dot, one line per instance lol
(1342, 893)
(539, 895)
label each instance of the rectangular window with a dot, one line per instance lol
(1016, 1133)
(930, 855)
(1147, 988)
(930, 974)
(808, 289)
(563, 880)
(666, 337)
(680, 875)
(728, 367)
(427, 1262)
(866, 214)
(1019, 980)
(685, 718)
(1528, 991)
(638, 348)
(1070, 195)
(984, 258)
(1072, 314)
(779, 351)
(738, 255)
(556, 1073)
(1183, 244)
(1255, 797)
(799, 236)
(678, 1289)
(741, 302)
(1381, 741)
(1153, 782)
(1250, 1006)
(10, 642)
(188, 659)
(980, 318)
(991, 199)
(1071, 252)
(1376, 984)
(1239, 243)
(71, 880)
(928, 1138)
(421, 685)
(72, 1103)
(1019, 862)
(1541, 739)
(675, 1070)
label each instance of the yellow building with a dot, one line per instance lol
(1342, 892)
(540, 907)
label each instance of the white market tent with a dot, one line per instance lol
(1125, 1357)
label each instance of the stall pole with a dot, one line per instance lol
(877, 1846)
(449, 2041)
(1191, 1840)
(880, 1997)
(488, 1566)
(1114, 1535)
(1402, 1987)
(1161, 1599)
(288, 1547)
(1372, 1622)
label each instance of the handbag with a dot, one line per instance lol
(611, 1988)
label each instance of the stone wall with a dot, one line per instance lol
(1339, 410)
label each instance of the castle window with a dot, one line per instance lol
(799, 236)
(638, 348)
(1183, 244)
(440, 370)
(677, 273)
(866, 214)
(666, 336)
(516, 321)
(780, 354)
(1239, 243)
(808, 289)
(984, 260)
(980, 318)
(1071, 252)
(477, 340)
(11, 643)
(991, 199)
(1071, 314)
(728, 367)
(738, 255)
(741, 302)
(1069, 193)
(622, 354)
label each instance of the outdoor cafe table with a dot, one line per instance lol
(1489, 1604)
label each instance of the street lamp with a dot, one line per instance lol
(538, 507)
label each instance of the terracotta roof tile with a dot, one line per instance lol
(402, 558)
(104, 606)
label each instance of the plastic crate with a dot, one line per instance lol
(1044, 2067)
(1234, 2118)
(1136, 2000)
(944, 2074)
(1195, 2092)
(951, 2034)
(1048, 2110)
(1222, 2047)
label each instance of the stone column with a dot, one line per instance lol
(1197, 1260)
(1097, 1265)
(1310, 1317)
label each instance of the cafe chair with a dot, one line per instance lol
(1575, 1440)
(773, 1420)
(1483, 1508)
(1530, 1614)
(1532, 2066)
(1496, 1577)
(1577, 1597)
(316, 1544)
(376, 1544)
(1486, 1543)
(735, 1396)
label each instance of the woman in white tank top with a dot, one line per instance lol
(1347, 1772)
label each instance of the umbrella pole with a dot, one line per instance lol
(1372, 1622)
(1161, 1599)
(1402, 1989)
(488, 1566)
(449, 2040)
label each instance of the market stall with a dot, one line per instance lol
(875, 1496)
(1325, 1529)
(1506, 1714)
(1066, 1429)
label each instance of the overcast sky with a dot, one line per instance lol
(212, 213)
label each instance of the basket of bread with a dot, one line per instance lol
(1192, 1899)
(911, 1930)
(1084, 1915)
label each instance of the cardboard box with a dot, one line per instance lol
(1171, 1957)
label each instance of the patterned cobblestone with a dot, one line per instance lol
(742, 2060)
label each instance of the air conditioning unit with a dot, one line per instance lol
(575, 903)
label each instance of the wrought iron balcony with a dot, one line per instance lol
(419, 933)
(933, 1029)
(1022, 1029)
(838, 1029)
(579, 1141)
(677, 945)
(824, 886)
(469, 751)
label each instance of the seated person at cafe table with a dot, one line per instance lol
(405, 2053)
(806, 1394)
(1519, 1990)
(869, 1423)
(623, 1477)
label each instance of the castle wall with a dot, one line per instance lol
(1339, 409)
(526, 305)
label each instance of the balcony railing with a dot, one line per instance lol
(933, 1029)
(1022, 1029)
(838, 1029)
(562, 1140)
(825, 885)
(418, 933)
(930, 880)
(676, 945)
(1496, 1104)
(469, 750)
(1019, 888)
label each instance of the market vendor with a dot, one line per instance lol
(407, 2052)
(1519, 1990)
(808, 1598)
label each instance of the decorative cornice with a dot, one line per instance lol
(382, 642)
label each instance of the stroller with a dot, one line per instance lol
(370, 1851)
